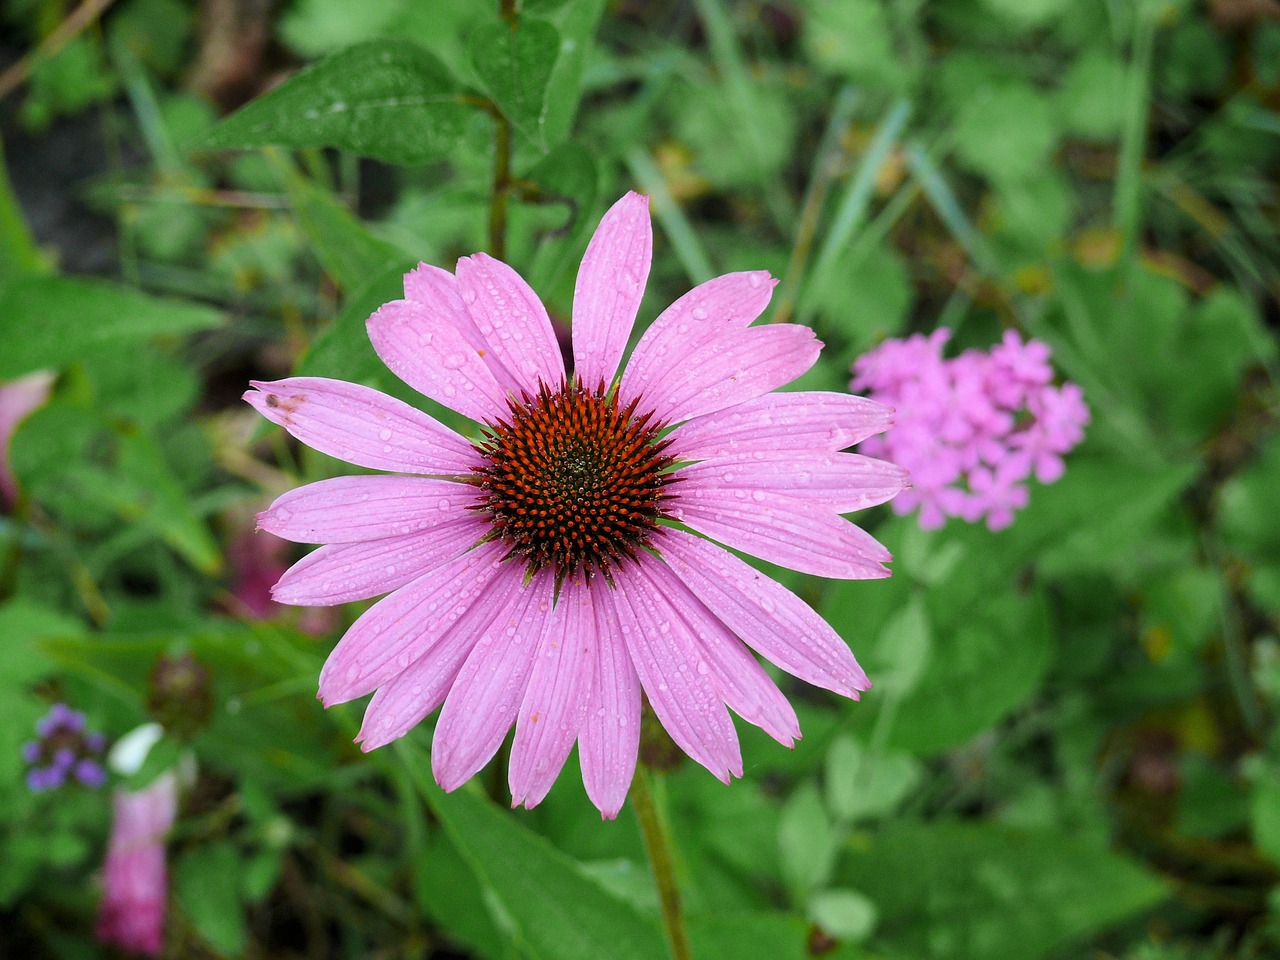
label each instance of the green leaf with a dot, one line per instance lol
(807, 840)
(988, 665)
(47, 322)
(343, 351)
(164, 504)
(550, 905)
(737, 936)
(387, 99)
(515, 64)
(861, 784)
(1006, 132)
(1266, 814)
(347, 250)
(577, 23)
(958, 891)
(207, 882)
(846, 914)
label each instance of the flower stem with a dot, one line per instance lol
(501, 158)
(501, 188)
(658, 847)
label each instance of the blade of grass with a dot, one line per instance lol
(827, 161)
(853, 205)
(1126, 199)
(684, 241)
(944, 203)
(735, 73)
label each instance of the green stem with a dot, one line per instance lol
(501, 189)
(658, 847)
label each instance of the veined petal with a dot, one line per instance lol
(398, 629)
(782, 423)
(728, 370)
(609, 740)
(742, 682)
(666, 661)
(399, 705)
(361, 425)
(556, 699)
(609, 289)
(512, 320)
(437, 290)
(842, 481)
(771, 619)
(347, 509)
(405, 701)
(708, 312)
(427, 351)
(787, 532)
(490, 687)
(343, 572)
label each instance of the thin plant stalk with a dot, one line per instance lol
(657, 845)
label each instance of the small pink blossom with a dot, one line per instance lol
(970, 430)
(564, 556)
(135, 879)
(18, 399)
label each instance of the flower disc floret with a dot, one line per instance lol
(573, 481)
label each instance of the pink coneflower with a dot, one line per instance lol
(542, 574)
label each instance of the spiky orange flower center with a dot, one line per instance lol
(572, 481)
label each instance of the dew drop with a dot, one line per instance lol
(699, 313)
(703, 668)
(758, 495)
(384, 435)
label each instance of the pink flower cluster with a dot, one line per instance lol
(971, 430)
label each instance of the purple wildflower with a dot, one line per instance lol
(64, 750)
(973, 429)
(536, 576)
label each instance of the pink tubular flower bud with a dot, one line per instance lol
(136, 880)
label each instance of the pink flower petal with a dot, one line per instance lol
(781, 423)
(18, 399)
(556, 699)
(787, 532)
(437, 289)
(842, 481)
(706, 313)
(361, 426)
(490, 688)
(398, 629)
(730, 369)
(666, 660)
(512, 320)
(343, 572)
(771, 619)
(427, 351)
(347, 509)
(741, 681)
(405, 701)
(610, 286)
(609, 741)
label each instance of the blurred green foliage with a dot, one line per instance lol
(1070, 748)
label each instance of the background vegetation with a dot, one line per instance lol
(1071, 747)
